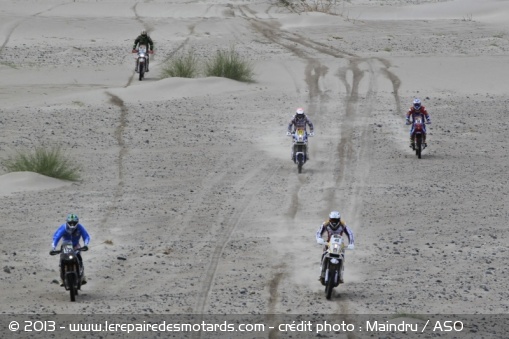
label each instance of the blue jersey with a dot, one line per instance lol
(61, 233)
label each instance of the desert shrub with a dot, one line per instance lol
(229, 64)
(183, 65)
(50, 162)
(324, 6)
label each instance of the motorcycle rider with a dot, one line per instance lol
(334, 225)
(144, 39)
(72, 231)
(417, 111)
(300, 120)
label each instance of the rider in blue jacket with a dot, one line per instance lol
(72, 231)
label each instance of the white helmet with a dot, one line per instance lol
(417, 104)
(334, 220)
(300, 111)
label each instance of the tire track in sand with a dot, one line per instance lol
(11, 30)
(122, 152)
(352, 157)
(314, 72)
(250, 185)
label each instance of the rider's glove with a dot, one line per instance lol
(428, 122)
(320, 241)
(408, 121)
(151, 52)
(312, 134)
(134, 51)
(288, 133)
(351, 246)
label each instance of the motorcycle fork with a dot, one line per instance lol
(70, 268)
(300, 149)
(338, 270)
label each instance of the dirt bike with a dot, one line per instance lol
(300, 147)
(333, 261)
(71, 271)
(418, 136)
(141, 61)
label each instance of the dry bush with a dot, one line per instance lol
(324, 6)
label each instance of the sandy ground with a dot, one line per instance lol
(191, 181)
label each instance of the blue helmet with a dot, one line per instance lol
(417, 104)
(71, 222)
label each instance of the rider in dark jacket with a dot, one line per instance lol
(144, 39)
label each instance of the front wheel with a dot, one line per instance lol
(418, 145)
(71, 280)
(142, 70)
(329, 285)
(300, 162)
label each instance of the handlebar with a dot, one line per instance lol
(55, 252)
(290, 134)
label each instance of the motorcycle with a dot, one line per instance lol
(71, 271)
(141, 61)
(418, 134)
(333, 260)
(300, 147)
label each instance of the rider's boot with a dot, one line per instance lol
(412, 143)
(321, 278)
(83, 276)
(61, 280)
(424, 140)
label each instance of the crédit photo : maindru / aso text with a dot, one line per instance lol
(437, 326)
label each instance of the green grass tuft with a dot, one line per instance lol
(229, 64)
(50, 162)
(182, 66)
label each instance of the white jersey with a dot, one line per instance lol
(342, 229)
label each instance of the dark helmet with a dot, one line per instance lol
(144, 32)
(417, 104)
(71, 222)
(334, 220)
